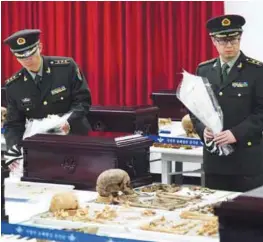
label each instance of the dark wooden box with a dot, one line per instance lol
(241, 219)
(170, 106)
(124, 119)
(78, 160)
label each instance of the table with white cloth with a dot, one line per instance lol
(169, 162)
(179, 156)
(25, 200)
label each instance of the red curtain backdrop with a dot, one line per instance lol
(125, 49)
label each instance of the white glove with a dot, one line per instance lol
(13, 154)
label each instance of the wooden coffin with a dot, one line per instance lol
(169, 105)
(124, 119)
(241, 219)
(78, 160)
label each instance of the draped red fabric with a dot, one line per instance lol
(125, 49)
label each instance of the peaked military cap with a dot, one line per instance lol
(24, 43)
(225, 25)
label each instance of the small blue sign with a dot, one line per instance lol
(55, 234)
(176, 140)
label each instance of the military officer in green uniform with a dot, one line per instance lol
(45, 85)
(237, 81)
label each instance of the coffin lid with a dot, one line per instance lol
(94, 141)
(164, 93)
(133, 110)
(164, 97)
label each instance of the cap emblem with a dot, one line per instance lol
(226, 22)
(21, 41)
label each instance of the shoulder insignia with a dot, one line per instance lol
(254, 62)
(61, 62)
(13, 78)
(207, 62)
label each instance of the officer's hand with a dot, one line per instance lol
(14, 165)
(208, 134)
(225, 137)
(65, 128)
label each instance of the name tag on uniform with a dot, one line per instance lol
(58, 90)
(240, 84)
(26, 100)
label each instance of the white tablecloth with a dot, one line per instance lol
(169, 156)
(190, 163)
(20, 212)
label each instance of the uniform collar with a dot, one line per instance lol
(40, 72)
(230, 63)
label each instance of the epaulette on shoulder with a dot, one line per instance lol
(207, 62)
(60, 62)
(13, 78)
(254, 62)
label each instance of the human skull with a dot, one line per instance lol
(187, 124)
